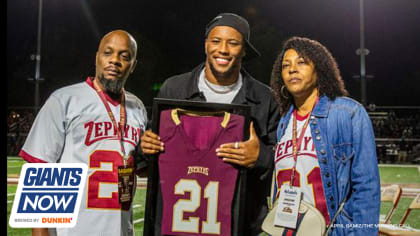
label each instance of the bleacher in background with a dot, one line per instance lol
(397, 132)
(19, 122)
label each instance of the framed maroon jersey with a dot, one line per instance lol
(197, 186)
(198, 193)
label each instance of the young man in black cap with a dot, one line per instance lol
(221, 79)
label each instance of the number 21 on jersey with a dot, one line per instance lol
(191, 225)
(102, 175)
(313, 180)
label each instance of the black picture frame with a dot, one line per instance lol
(153, 210)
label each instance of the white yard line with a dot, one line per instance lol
(12, 180)
(396, 165)
(412, 189)
(138, 221)
(409, 192)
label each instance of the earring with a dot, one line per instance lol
(283, 94)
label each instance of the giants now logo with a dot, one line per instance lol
(97, 131)
(48, 191)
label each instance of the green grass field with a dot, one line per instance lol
(413, 218)
(388, 175)
(408, 175)
(403, 176)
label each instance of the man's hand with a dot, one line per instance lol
(150, 143)
(246, 153)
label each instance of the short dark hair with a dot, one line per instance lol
(329, 81)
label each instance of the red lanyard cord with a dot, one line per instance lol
(121, 127)
(297, 142)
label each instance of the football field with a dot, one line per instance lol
(407, 177)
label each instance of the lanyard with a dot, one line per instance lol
(297, 142)
(120, 129)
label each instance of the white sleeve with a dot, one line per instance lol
(46, 138)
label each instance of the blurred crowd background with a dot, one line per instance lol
(397, 132)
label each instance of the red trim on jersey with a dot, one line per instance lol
(301, 118)
(114, 102)
(30, 158)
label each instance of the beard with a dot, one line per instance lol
(222, 75)
(112, 87)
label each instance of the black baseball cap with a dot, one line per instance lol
(238, 23)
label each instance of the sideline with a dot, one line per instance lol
(397, 165)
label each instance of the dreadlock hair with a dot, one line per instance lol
(329, 81)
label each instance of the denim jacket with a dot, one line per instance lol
(345, 147)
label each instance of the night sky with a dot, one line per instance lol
(170, 35)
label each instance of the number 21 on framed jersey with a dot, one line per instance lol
(197, 186)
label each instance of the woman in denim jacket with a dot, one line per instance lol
(344, 178)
